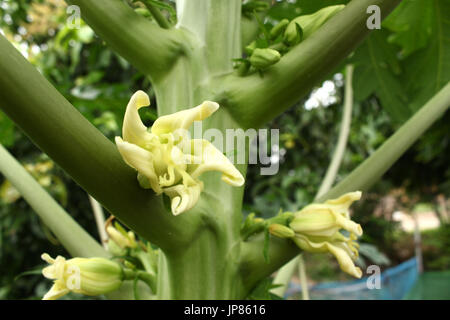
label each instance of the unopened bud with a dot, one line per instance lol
(278, 29)
(293, 34)
(309, 23)
(264, 58)
(143, 12)
(88, 276)
(250, 48)
(280, 231)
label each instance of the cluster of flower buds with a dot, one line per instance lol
(261, 54)
(318, 226)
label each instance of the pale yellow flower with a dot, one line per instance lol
(88, 276)
(123, 240)
(317, 229)
(166, 159)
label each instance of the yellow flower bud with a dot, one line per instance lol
(264, 58)
(166, 159)
(88, 276)
(317, 229)
(280, 231)
(123, 240)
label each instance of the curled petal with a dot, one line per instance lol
(343, 254)
(307, 245)
(211, 159)
(183, 119)
(141, 160)
(134, 131)
(345, 260)
(182, 197)
(344, 202)
(56, 291)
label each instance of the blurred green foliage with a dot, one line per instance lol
(397, 69)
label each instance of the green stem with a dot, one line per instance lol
(99, 220)
(73, 237)
(360, 179)
(208, 266)
(149, 48)
(159, 17)
(303, 278)
(251, 99)
(338, 154)
(58, 129)
(149, 279)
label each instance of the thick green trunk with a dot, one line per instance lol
(208, 267)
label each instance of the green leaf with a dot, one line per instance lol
(428, 70)
(376, 66)
(412, 23)
(6, 130)
(37, 271)
(262, 291)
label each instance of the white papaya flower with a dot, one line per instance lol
(317, 229)
(88, 276)
(166, 159)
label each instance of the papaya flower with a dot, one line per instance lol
(166, 159)
(88, 276)
(317, 228)
(123, 240)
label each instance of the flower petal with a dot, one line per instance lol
(211, 159)
(315, 220)
(56, 291)
(141, 160)
(345, 260)
(344, 202)
(134, 131)
(183, 119)
(182, 197)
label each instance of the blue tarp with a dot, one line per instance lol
(395, 282)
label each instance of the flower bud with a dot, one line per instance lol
(280, 231)
(88, 276)
(250, 48)
(293, 34)
(122, 239)
(264, 58)
(309, 23)
(278, 29)
(143, 12)
(254, 6)
(115, 249)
